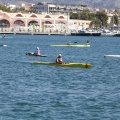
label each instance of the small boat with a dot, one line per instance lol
(32, 54)
(86, 33)
(117, 34)
(3, 45)
(72, 64)
(5, 37)
(107, 33)
(115, 56)
(72, 45)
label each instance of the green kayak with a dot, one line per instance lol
(71, 45)
(32, 54)
(72, 64)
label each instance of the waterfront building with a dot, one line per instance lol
(11, 6)
(40, 22)
(56, 8)
(111, 23)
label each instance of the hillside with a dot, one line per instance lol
(95, 3)
(90, 3)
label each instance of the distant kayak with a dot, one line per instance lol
(5, 37)
(32, 54)
(72, 64)
(72, 45)
(116, 56)
(3, 45)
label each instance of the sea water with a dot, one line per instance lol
(42, 92)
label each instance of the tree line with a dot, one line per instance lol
(99, 19)
(4, 8)
(7, 9)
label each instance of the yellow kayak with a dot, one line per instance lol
(72, 64)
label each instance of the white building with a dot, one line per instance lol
(55, 8)
(11, 6)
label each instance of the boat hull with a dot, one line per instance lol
(115, 56)
(85, 34)
(72, 45)
(76, 65)
(32, 54)
(117, 35)
(3, 45)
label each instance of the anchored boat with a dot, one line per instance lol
(86, 33)
(32, 54)
(72, 64)
(116, 56)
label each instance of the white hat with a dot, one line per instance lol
(60, 55)
(37, 48)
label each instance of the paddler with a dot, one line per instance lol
(87, 42)
(69, 43)
(4, 36)
(59, 60)
(37, 51)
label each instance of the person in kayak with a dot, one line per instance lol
(37, 51)
(4, 36)
(87, 42)
(69, 43)
(59, 59)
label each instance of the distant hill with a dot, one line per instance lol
(94, 3)
(90, 3)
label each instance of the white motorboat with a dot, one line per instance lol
(107, 33)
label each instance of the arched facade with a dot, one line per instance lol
(4, 23)
(47, 22)
(60, 22)
(18, 23)
(42, 22)
(33, 22)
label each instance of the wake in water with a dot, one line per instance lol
(27, 61)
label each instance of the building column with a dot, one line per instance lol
(26, 23)
(40, 24)
(54, 24)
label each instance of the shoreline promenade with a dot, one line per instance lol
(25, 31)
(49, 32)
(36, 33)
(46, 33)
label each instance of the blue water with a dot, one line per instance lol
(41, 92)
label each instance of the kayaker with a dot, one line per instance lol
(59, 59)
(37, 51)
(87, 42)
(4, 36)
(69, 43)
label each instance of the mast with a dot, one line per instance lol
(113, 23)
